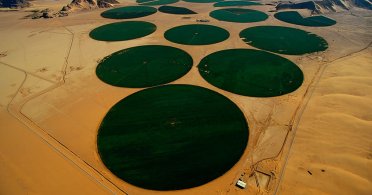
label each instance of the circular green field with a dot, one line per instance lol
(202, 1)
(251, 72)
(144, 66)
(158, 2)
(196, 34)
(175, 10)
(294, 17)
(129, 12)
(238, 15)
(235, 3)
(283, 40)
(172, 137)
(122, 31)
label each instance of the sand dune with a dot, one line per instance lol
(332, 148)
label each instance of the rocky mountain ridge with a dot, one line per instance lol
(15, 3)
(322, 6)
(89, 4)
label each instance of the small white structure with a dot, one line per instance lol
(241, 184)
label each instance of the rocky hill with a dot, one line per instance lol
(89, 4)
(75, 5)
(14, 3)
(321, 6)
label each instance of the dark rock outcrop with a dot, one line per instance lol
(74, 5)
(363, 4)
(325, 5)
(310, 5)
(14, 3)
(46, 13)
(110, 1)
(89, 4)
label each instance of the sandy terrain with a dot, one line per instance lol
(52, 104)
(331, 153)
(29, 165)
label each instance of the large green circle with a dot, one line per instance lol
(294, 17)
(172, 137)
(129, 12)
(283, 40)
(175, 10)
(251, 72)
(196, 34)
(122, 31)
(235, 3)
(144, 66)
(202, 1)
(239, 15)
(157, 2)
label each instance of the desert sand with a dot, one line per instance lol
(331, 153)
(52, 104)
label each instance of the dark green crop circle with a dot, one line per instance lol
(172, 137)
(283, 40)
(175, 10)
(129, 12)
(196, 34)
(294, 17)
(144, 66)
(122, 31)
(156, 2)
(250, 72)
(239, 15)
(235, 3)
(202, 1)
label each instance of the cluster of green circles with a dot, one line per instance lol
(172, 137)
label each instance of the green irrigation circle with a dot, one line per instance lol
(250, 72)
(156, 2)
(144, 66)
(121, 31)
(235, 3)
(294, 17)
(238, 15)
(175, 10)
(172, 137)
(196, 34)
(129, 12)
(283, 40)
(202, 1)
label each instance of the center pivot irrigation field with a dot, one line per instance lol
(251, 72)
(171, 137)
(146, 66)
